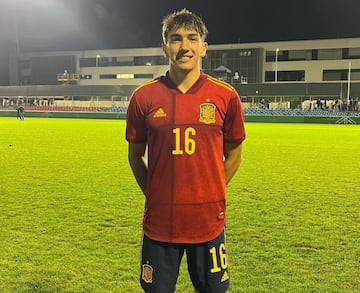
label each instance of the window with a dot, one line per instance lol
(297, 55)
(295, 75)
(145, 75)
(289, 55)
(270, 56)
(124, 61)
(87, 62)
(340, 74)
(124, 75)
(351, 53)
(107, 76)
(329, 54)
(355, 74)
(150, 60)
(331, 75)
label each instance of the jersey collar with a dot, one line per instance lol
(193, 89)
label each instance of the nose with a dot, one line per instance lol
(184, 44)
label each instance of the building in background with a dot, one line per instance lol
(267, 62)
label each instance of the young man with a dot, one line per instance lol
(192, 126)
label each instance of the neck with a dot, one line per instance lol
(184, 79)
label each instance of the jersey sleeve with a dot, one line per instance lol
(136, 130)
(233, 128)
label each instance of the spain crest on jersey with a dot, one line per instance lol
(207, 113)
(147, 273)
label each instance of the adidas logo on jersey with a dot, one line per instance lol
(225, 277)
(160, 113)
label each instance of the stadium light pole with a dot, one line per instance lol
(349, 81)
(97, 65)
(348, 86)
(97, 57)
(276, 63)
(276, 68)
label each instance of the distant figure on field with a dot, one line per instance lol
(20, 112)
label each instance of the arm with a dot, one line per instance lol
(232, 154)
(138, 164)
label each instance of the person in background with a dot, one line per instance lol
(20, 112)
(192, 126)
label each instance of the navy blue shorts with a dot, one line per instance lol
(207, 265)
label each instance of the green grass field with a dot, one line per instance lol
(70, 211)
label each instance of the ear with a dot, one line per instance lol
(204, 49)
(165, 50)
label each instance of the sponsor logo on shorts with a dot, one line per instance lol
(147, 273)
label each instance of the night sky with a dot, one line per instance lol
(40, 25)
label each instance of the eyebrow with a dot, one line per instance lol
(171, 35)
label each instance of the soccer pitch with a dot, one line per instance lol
(70, 210)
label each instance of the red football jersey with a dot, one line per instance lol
(185, 194)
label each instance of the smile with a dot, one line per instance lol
(183, 58)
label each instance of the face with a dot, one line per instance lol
(184, 48)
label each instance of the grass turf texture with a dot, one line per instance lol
(70, 211)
